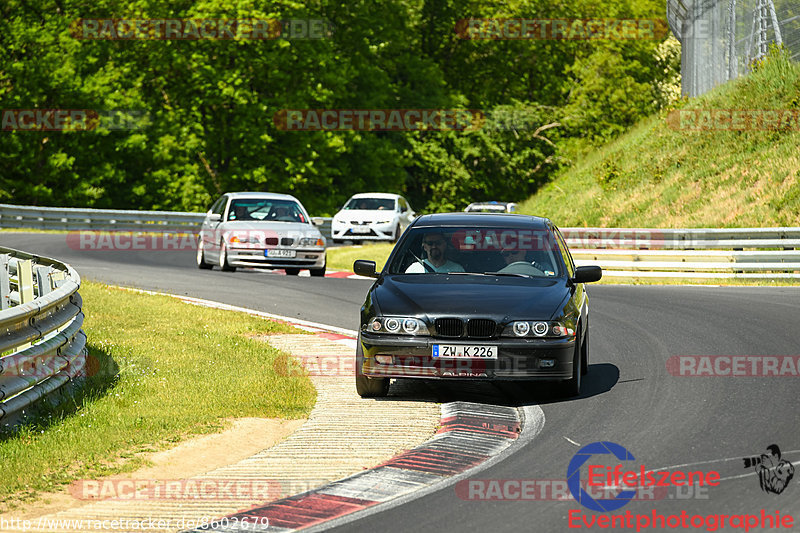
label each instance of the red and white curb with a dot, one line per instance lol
(472, 437)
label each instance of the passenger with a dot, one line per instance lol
(434, 245)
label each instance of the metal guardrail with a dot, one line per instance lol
(76, 219)
(42, 346)
(638, 252)
(69, 218)
(749, 253)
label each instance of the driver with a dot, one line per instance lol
(435, 246)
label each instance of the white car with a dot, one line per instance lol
(372, 217)
(258, 229)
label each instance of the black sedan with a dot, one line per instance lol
(475, 296)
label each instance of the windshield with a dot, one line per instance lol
(266, 210)
(369, 204)
(477, 250)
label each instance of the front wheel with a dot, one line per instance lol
(397, 232)
(367, 387)
(223, 259)
(585, 353)
(318, 272)
(292, 271)
(572, 387)
(201, 256)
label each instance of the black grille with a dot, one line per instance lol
(287, 241)
(449, 327)
(481, 328)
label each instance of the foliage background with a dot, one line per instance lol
(210, 103)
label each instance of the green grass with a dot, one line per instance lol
(342, 258)
(163, 370)
(656, 176)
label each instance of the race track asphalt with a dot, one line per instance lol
(629, 397)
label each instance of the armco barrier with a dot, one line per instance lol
(76, 219)
(738, 253)
(763, 253)
(69, 218)
(42, 346)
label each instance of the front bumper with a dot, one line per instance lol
(517, 359)
(377, 232)
(254, 257)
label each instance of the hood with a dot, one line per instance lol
(499, 297)
(281, 228)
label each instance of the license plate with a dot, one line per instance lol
(464, 351)
(360, 229)
(279, 253)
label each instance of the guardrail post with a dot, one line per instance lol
(5, 283)
(25, 277)
(43, 284)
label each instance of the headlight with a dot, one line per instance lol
(526, 328)
(243, 239)
(384, 221)
(312, 241)
(397, 325)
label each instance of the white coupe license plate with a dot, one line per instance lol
(280, 253)
(460, 351)
(361, 230)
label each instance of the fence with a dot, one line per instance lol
(42, 346)
(721, 39)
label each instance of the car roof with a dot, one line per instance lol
(388, 195)
(263, 195)
(493, 202)
(505, 220)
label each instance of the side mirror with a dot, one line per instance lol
(587, 274)
(317, 221)
(214, 217)
(365, 268)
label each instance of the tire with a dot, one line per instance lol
(336, 241)
(572, 387)
(292, 271)
(318, 272)
(585, 353)
(368, 387)
(201, 256)
(397, 233)
(223, 259)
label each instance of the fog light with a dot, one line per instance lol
(547, 363)
(384, 359)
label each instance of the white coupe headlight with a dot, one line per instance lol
(312, 241)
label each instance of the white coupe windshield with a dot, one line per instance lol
(369, 204)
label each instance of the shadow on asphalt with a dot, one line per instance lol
(600, 379)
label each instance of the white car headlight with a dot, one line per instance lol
(312, 241)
